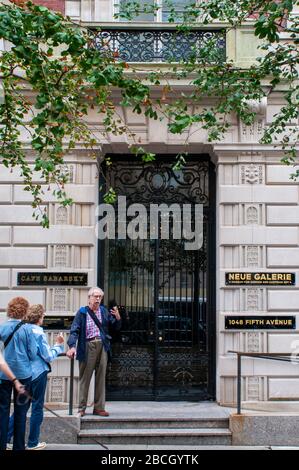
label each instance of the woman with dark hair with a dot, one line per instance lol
(20, 349)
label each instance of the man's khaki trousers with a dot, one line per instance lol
(96, 360)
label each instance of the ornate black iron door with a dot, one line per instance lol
(165, 349)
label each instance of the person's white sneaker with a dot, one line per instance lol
(39, 446)
(9, 446)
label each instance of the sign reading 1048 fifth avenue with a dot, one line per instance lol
(267, 279)
(52, 279)
(255, 322)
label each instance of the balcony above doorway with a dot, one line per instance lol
(158, 45)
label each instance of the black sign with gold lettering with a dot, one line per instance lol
(52, 279)
(266, 279)
(260, 323)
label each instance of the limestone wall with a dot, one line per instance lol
(258, 231)
(69, 245)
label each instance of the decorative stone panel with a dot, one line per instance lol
(253, 388)
(252, 256)
(252, 215)
(57, 389)
(60, 299)
(61, 216)
(253, 341)
(253, 299)
(61, 256)
(252, 133)
(252, 174)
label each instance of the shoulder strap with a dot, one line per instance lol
(21, 323)
(95, 319)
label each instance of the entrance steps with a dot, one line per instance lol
(155, 431)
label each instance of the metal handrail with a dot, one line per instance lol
(286, 357)
(71, 402)
(157, 45)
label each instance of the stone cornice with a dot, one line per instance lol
(233, 153)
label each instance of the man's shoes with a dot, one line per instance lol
(39, 446)
(9, 446)
(81, 413)
(100, 412)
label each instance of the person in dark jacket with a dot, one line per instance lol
(89, 341)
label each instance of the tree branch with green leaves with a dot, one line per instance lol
(54, 71)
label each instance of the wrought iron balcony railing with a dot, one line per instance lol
(163, 45)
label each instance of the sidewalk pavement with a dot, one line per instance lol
(180, 448)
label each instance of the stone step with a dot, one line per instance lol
(96, 422)
(151, 436)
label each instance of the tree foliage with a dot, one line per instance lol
(53, 73)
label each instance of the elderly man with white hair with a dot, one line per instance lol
(90, 342)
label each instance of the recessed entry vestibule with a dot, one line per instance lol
(166, 347)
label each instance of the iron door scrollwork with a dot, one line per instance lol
(164, 350)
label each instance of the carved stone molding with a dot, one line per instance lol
(258, 107)
(61, 255)
(254, 131)
(61, 216)
(56, 393)
(253, 390)
(252, 215)
(252, 174)
(253, 342)
(251, 154)
(71, 173)
(253, 298)
(252, 256)
(68, 170)
(59, 299)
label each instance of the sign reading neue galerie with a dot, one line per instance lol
(52, 279)
(267, 279)
(260, 323)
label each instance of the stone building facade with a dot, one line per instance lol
(256, 226)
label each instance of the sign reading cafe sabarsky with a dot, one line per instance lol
(52, 279)
(270, 279)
